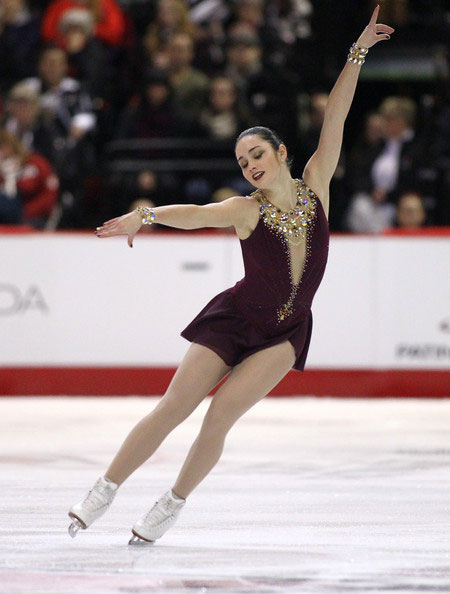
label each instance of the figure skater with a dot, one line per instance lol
(256, 331)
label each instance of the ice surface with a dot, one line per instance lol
(311, 495)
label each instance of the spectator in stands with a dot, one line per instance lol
(249, 19)
(109, 22)
(10, 202)
(370, 213)
(297, 40)
(225, 114)
(69, 123)
(411, 212)
(395, 165)
(189, 84)
(22, 113)
(156, 115)
(19, 42)
(210, 18)
(86, 55)
(23, 118)
(291, 20)
(243, 58)
(62, 98)
(269, 92)
(172, 17)
(367, 213)
(29, 186)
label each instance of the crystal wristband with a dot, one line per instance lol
(148, 214)
(357, 54)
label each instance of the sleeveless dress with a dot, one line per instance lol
(272, 303)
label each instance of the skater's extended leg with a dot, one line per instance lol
(247, 383)
(200, 370)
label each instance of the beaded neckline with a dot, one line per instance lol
(291, 225)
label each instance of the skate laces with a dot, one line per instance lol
(163, 509)
(101, 495)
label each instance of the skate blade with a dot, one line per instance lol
(137, 541)
(75, 526)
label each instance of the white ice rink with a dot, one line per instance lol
(311, 495)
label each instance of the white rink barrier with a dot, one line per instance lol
(70, 300)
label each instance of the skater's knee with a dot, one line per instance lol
(173, 410)
(218, 422)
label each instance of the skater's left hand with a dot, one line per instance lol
(374, 32)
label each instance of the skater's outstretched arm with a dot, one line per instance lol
(234, 212)
(322, 165)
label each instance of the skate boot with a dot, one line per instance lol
(158, 520)
(92, 506)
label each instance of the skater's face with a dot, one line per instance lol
(259, 161)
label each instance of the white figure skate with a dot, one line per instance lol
(158, 520)
(92, 506)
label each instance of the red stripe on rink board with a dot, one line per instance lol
(27, 230)
(143, 381)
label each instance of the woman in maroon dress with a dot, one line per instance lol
(259, 329)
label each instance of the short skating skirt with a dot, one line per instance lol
(221, 327)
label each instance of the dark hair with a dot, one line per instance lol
(266, 134)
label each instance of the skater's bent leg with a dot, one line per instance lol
(247, 383)
(200, 370)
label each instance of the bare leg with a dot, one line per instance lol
(200, 370)
(248, 383)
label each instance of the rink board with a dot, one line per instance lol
(79, 315)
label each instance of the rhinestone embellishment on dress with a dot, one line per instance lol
(292, 228)
(291, 225)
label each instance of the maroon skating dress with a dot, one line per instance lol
(272, 303)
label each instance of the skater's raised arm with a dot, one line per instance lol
(231, 212)
(320, 168)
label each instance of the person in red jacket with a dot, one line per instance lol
(27, 183)
(38, 186)
(108, 18)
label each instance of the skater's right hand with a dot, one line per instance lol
(374, 32)
(128, 224)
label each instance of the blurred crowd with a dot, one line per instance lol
(102, 100)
